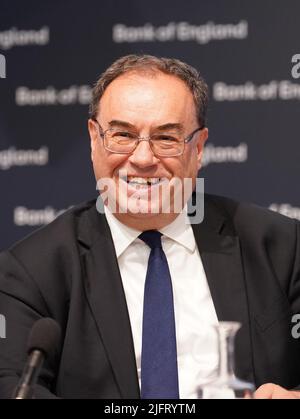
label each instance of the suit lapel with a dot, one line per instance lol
(107, 300)
(221, 258)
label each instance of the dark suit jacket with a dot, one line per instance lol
(68, 271)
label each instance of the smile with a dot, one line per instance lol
(142, 181)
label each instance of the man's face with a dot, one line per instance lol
(143, 104)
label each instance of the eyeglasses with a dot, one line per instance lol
(167, 144)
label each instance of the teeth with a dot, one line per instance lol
(154, 180)
(143, 180)
(139, 180)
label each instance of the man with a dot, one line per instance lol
(133, 289)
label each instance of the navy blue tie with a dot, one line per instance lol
(159, 353)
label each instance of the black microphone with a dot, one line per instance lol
(44, 340)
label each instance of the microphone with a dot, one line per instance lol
(44, 340)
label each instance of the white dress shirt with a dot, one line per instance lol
(194, 309)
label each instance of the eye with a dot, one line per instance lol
(123, 134)
(165, 138)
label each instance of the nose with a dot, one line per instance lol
(143, 156)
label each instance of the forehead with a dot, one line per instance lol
(156, 98)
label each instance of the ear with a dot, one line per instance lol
(93, 131)
(203, 136)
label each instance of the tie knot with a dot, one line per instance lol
(152, 238)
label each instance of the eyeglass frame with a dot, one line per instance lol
(139, 139)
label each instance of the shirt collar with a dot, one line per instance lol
(179, 230)
(122, 235)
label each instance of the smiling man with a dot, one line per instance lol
(135, 287)
(140, 128)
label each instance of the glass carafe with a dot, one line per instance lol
(225, 385)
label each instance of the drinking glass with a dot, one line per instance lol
(225, 385)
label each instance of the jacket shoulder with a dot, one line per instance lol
(51, 251)
(58, 234)
(241, 214)
(46, 262)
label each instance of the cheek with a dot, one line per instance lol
(172, 165)
(105, 163)
(184, 166)
(191, 164)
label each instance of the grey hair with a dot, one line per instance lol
(151, 64)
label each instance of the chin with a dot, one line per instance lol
(141, 208)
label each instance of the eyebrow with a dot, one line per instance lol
(170, 126)
(117, 123)
(164, 127)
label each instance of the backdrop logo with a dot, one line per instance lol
(228, 154)
(296, 68)
(15, 37)
(2, 67)
(286, 209)
(180, 31)
(35, 217)
(272, 90)
(12, 157)
(2, 327)
(50, 96)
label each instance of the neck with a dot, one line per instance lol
(145, 222)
